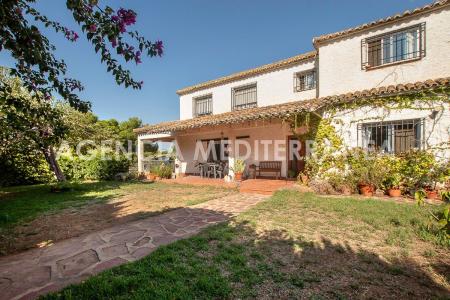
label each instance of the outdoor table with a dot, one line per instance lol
(213, 167)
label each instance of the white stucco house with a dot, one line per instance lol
(398, 55)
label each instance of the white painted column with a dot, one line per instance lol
(231, 154)
(140, 154)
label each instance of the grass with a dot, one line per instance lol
(33, 216)
(23, 203)
(293, 245)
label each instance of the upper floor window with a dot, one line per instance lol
(391, 137)
(393, 47)
(243, 97)
(304, 81)
(202, 105)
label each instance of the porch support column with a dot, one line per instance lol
(140, 154)
(231, 154)
(231, 165)
(178, 158)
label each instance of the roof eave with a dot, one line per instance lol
(249, 73)
(325, 38)
(279, 111)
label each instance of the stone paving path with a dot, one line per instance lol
(39, 271)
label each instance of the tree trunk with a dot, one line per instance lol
(53, 163)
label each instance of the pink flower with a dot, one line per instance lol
(159, 48)
(128, 17)
(93, 28)
(70, 35)
(113, 42)
(124, 17)
(137, 57)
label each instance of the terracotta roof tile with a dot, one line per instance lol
(429, 7)
(282, 110)
(249, 73)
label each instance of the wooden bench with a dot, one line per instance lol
(270, 166)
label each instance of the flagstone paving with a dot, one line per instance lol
(35, 272)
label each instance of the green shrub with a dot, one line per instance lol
(412, 170)
(163, 170)
(416, 167)
(24, 166)
(94, 168)
(239, 166)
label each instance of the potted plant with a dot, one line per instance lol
(431, 193)
(438, 174)
(153, 173)
(303, 178)
(238, 168)
(345, 189)
(339, 182)
(369, 170)
(392, 184)
(292, 173)
(363, 179)
(366, 189)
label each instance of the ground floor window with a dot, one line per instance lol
(392, 136)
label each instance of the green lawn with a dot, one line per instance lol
(22, 203)
(293, 245)
(18, 204)
(33, 216)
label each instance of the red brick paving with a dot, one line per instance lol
(252, 186)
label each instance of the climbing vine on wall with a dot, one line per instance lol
(320, 127)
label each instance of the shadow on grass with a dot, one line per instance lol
(24, 202)
(33, 216)
(234, 260)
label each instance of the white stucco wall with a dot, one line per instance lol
(340, 61)
(272, 88)
(437, 127)
(256, 131)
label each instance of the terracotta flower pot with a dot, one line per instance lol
(151, 177)
(345, 190)
(394, 192)
(432, 194)
(366, 190)
(304, 179)
(238, 176)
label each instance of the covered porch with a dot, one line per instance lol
(211, 152)
(259, 136)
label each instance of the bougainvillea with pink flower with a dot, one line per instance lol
(106, 28)
(39, 71)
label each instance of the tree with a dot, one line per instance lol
(87, 126)
(42, 74)
(27, 122)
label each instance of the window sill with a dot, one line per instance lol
(368, 68)
(202, 115)
(305, 90)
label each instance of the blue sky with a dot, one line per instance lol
(204, 40)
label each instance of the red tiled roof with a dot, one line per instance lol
(249, 73)
(280, 111)
(424, 9)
